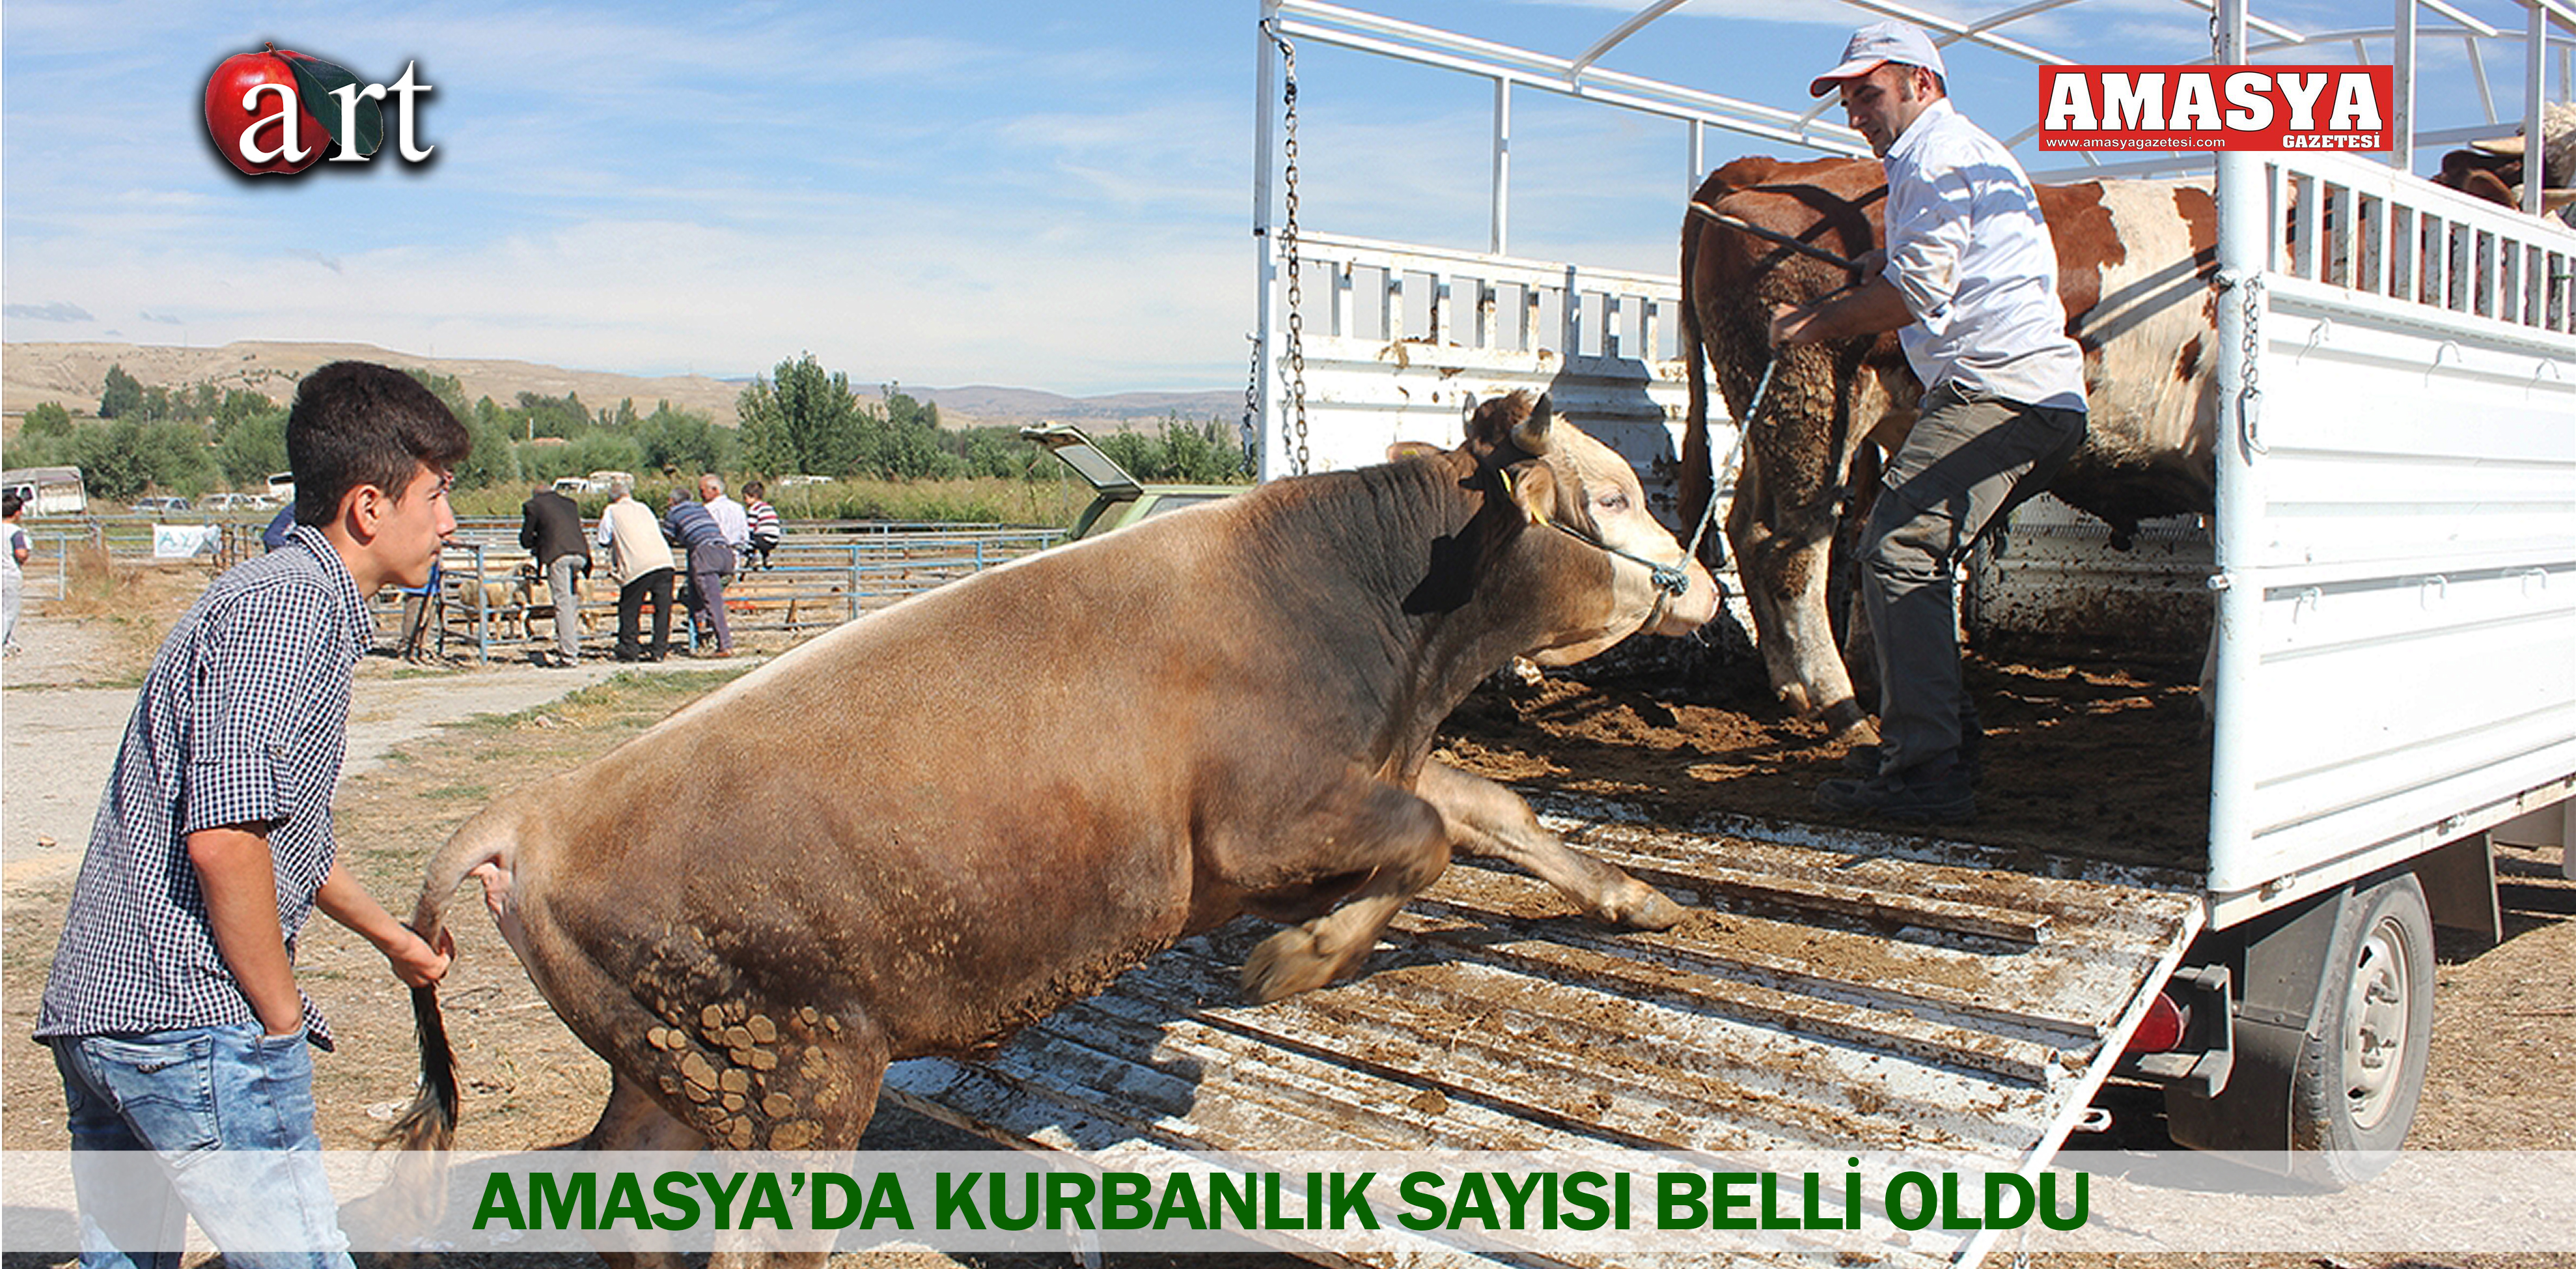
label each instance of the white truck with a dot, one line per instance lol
(48, 491)
(2398, 456)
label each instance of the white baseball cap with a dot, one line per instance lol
(1876, 45)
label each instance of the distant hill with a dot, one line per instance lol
(981, 403)
(76, 373)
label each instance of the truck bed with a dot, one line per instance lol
(1831, 991)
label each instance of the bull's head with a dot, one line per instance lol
(1584, 516)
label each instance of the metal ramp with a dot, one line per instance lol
(1832, 991)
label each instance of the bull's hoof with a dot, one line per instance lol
(1645, 909)
(1850, 722)
(1286, 963)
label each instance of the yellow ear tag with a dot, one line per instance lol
(1509, 491)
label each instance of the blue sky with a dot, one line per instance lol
(1040, 195)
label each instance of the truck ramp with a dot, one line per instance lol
(1831, 991)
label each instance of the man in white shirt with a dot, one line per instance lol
(729, 514)
(1969, 282)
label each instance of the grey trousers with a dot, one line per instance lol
(1971, 458)
(561, 583)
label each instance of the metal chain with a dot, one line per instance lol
(1252, 410)
(1299, 462)
(2250, 396)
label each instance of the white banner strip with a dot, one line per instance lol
(1614, 1204)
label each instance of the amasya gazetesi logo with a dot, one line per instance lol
(278, 112)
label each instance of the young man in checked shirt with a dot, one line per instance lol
(172, 1007)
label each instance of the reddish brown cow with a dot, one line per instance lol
(2134, 259)
(921, 832)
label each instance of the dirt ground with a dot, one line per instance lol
(2079, 743)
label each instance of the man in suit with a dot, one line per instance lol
(550, 527)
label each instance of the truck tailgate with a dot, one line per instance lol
(1831, 991)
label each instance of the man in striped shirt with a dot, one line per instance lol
(762, 519)
(173, 1010)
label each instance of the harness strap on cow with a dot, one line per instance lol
(1799, 245)
(1674, 580)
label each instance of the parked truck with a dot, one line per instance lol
(2395, 460)
(48, 491)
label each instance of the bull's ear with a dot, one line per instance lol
(1402, 450)
(1492, 425)
(1531, 486)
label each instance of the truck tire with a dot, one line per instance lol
(2361, 1071)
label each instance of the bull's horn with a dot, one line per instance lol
(1531, 433)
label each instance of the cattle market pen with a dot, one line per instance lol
(2397, 378)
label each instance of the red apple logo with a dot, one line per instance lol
(275, 112)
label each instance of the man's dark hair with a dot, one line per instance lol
(11, 503)
(356, 423)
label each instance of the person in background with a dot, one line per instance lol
(689, 526)
(420, 607)
(640, 563)
(730, 516)
(550, 529)
(280, 528)
(13, 563)
(181, 1034)
(762, 519)
(1969, 281)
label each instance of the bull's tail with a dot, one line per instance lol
(1698, 476)
(429, 1123)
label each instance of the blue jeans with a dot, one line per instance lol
(214, 1122)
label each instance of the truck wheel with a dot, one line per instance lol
(2360, 1076)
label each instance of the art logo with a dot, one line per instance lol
(278, 112)
(2215, 107)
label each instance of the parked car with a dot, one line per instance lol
(160, 506)
(1120, 499)
(237, 502)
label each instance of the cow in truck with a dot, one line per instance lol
(2134, 262)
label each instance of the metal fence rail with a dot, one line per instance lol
(491, 601)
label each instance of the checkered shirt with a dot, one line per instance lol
(243, 720)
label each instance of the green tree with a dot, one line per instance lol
(815, 413)
(30, 450)
(123, 397)
(564, 416)
(48, 419)
(766, 449)
(602, 451)
(123, 459)
(253, 447)
(675, 440)
(242, 404)
(493, 461)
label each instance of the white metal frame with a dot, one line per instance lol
(2357, 269)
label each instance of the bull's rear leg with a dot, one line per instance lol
(1489, 821)
(764, 1075)
(632, 1120)
(1399, 841)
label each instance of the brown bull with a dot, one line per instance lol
(2134, 259)
(931, 827)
